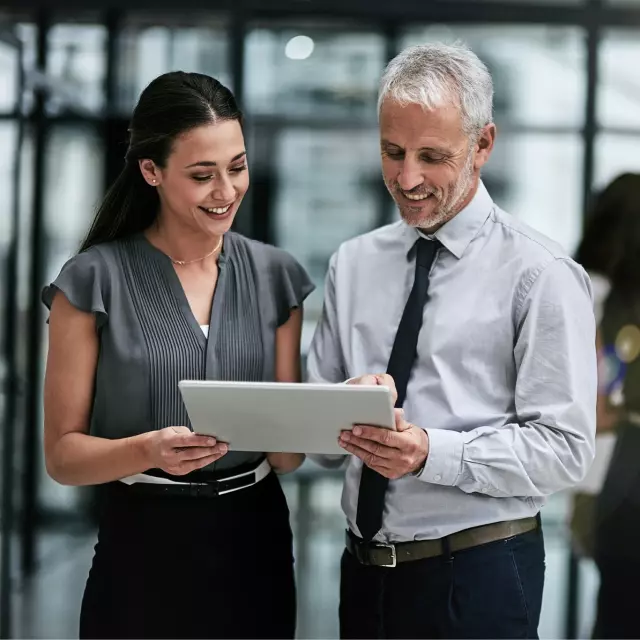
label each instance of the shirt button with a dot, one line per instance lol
(484, 490)
(437, 478)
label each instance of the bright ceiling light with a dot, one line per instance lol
(299, 48)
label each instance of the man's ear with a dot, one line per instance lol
(484, 145)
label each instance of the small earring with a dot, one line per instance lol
(154, 181)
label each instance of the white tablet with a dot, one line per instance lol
(284, 417)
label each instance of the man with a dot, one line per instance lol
(486, 329)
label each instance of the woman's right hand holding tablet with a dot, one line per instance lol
(178, 451)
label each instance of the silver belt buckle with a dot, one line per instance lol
(392, 549)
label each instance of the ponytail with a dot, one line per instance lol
(129, 206)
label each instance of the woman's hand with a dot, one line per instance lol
(178, 451)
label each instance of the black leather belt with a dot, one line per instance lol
(205, 485)
(389, 555)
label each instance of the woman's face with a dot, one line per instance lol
(204, 179)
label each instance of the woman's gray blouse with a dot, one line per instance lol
(150, 339)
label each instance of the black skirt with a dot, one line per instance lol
(192, 567)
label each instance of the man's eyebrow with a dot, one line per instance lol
(209, 163)
(387, 143)
(436, 150)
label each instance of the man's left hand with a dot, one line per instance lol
(392, 454)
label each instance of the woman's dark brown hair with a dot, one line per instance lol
(611, 242)
(171, 105)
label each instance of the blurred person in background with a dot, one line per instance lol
(600, 252)
(612, 248)
(485, 330)
(193, 542)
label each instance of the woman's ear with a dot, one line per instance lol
(150, 172)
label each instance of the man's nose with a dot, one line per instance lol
(410, 176)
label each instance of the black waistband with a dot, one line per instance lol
(202, 476)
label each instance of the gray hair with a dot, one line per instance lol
(434, 75)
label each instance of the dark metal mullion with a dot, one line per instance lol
(433, 11)
(255, 220)
(391, 34)
(9, 422)
(447, 12)
(114, 125)
(113, 25)
(264, 177)
(237, 31)
(34, 330)
(374, 11)
(593, 34)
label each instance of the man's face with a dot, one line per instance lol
(430, 166)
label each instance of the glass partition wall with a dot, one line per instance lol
(307, 76)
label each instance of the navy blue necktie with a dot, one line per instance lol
(373, 486)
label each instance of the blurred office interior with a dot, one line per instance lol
(305, 72)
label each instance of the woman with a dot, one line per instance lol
(600, 252)
(161, 291)
(615, 238)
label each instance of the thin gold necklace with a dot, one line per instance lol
(183, 262)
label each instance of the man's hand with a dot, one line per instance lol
(382, 379)
(392, 454)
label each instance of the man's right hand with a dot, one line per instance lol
(178, 451)
(382, 379)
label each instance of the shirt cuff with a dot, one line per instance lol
(444, 461)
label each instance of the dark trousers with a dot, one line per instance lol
(618, 598)
(187, 567)
(490, 591)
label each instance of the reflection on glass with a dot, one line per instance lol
(77, 62)
(537, 179)
(312, 72)
(72, 191)
(147, 52)
(327, 192)
(619, 86)
(615, 154)
(538, 71)
(8, 133)
(28, 33)
(8, 77)
(8, 138)
(73, 188)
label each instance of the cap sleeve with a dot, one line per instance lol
(294, 285)
(83, 280)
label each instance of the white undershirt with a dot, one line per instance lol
(205, 330)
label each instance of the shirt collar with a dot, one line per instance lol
(457, 234)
